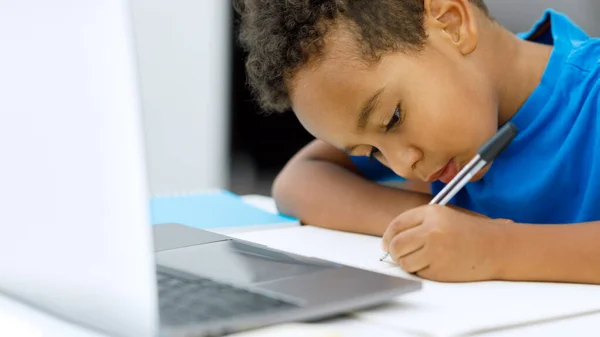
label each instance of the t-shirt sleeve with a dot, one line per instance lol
(375, 170)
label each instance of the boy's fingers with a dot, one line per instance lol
(402, 222)
(414, 262)
(406, 242)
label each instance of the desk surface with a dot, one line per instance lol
(442, 309)
(17, 319)
(532, 307)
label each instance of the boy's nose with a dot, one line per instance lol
(404, 162)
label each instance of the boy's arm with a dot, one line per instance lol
(563, 253)
(322, 186)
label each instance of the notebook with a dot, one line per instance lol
(219, 209)
(457, 309)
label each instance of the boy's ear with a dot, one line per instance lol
(455, 19)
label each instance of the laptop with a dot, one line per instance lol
(75, 239)
(215, 284)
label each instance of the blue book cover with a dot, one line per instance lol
(218, 209)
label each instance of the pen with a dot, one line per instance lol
(486, 154)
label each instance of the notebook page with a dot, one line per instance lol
(456, 308)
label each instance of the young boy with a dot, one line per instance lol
(418, 86)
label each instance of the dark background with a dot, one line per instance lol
(261, 143)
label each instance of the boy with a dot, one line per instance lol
(418, 86)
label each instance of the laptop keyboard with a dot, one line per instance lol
(183, 301)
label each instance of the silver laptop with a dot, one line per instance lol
(75, 238)
(215, 284)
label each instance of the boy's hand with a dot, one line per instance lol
(443, 244)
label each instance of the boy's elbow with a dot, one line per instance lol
(280, 192)
(294, 186)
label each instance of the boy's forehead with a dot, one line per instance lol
(328, 94)
(322, 100)
(327, 98)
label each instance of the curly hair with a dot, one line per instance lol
(280, 36)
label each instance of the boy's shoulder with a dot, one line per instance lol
(575, 57)
(586, 56)
(577, 47)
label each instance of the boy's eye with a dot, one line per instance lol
(395, 120)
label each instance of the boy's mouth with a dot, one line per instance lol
(446, 173)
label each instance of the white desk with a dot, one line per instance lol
(354, 250)
(486, 309)
(17, 319)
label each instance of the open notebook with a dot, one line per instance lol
(440, 309)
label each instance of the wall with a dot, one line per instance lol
(183, 57)
(520, 15)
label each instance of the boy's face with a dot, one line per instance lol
(446, 107)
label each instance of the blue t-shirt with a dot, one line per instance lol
(550, 173)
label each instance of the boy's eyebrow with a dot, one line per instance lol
(367, 109)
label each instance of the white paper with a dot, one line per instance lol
(439, 309)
